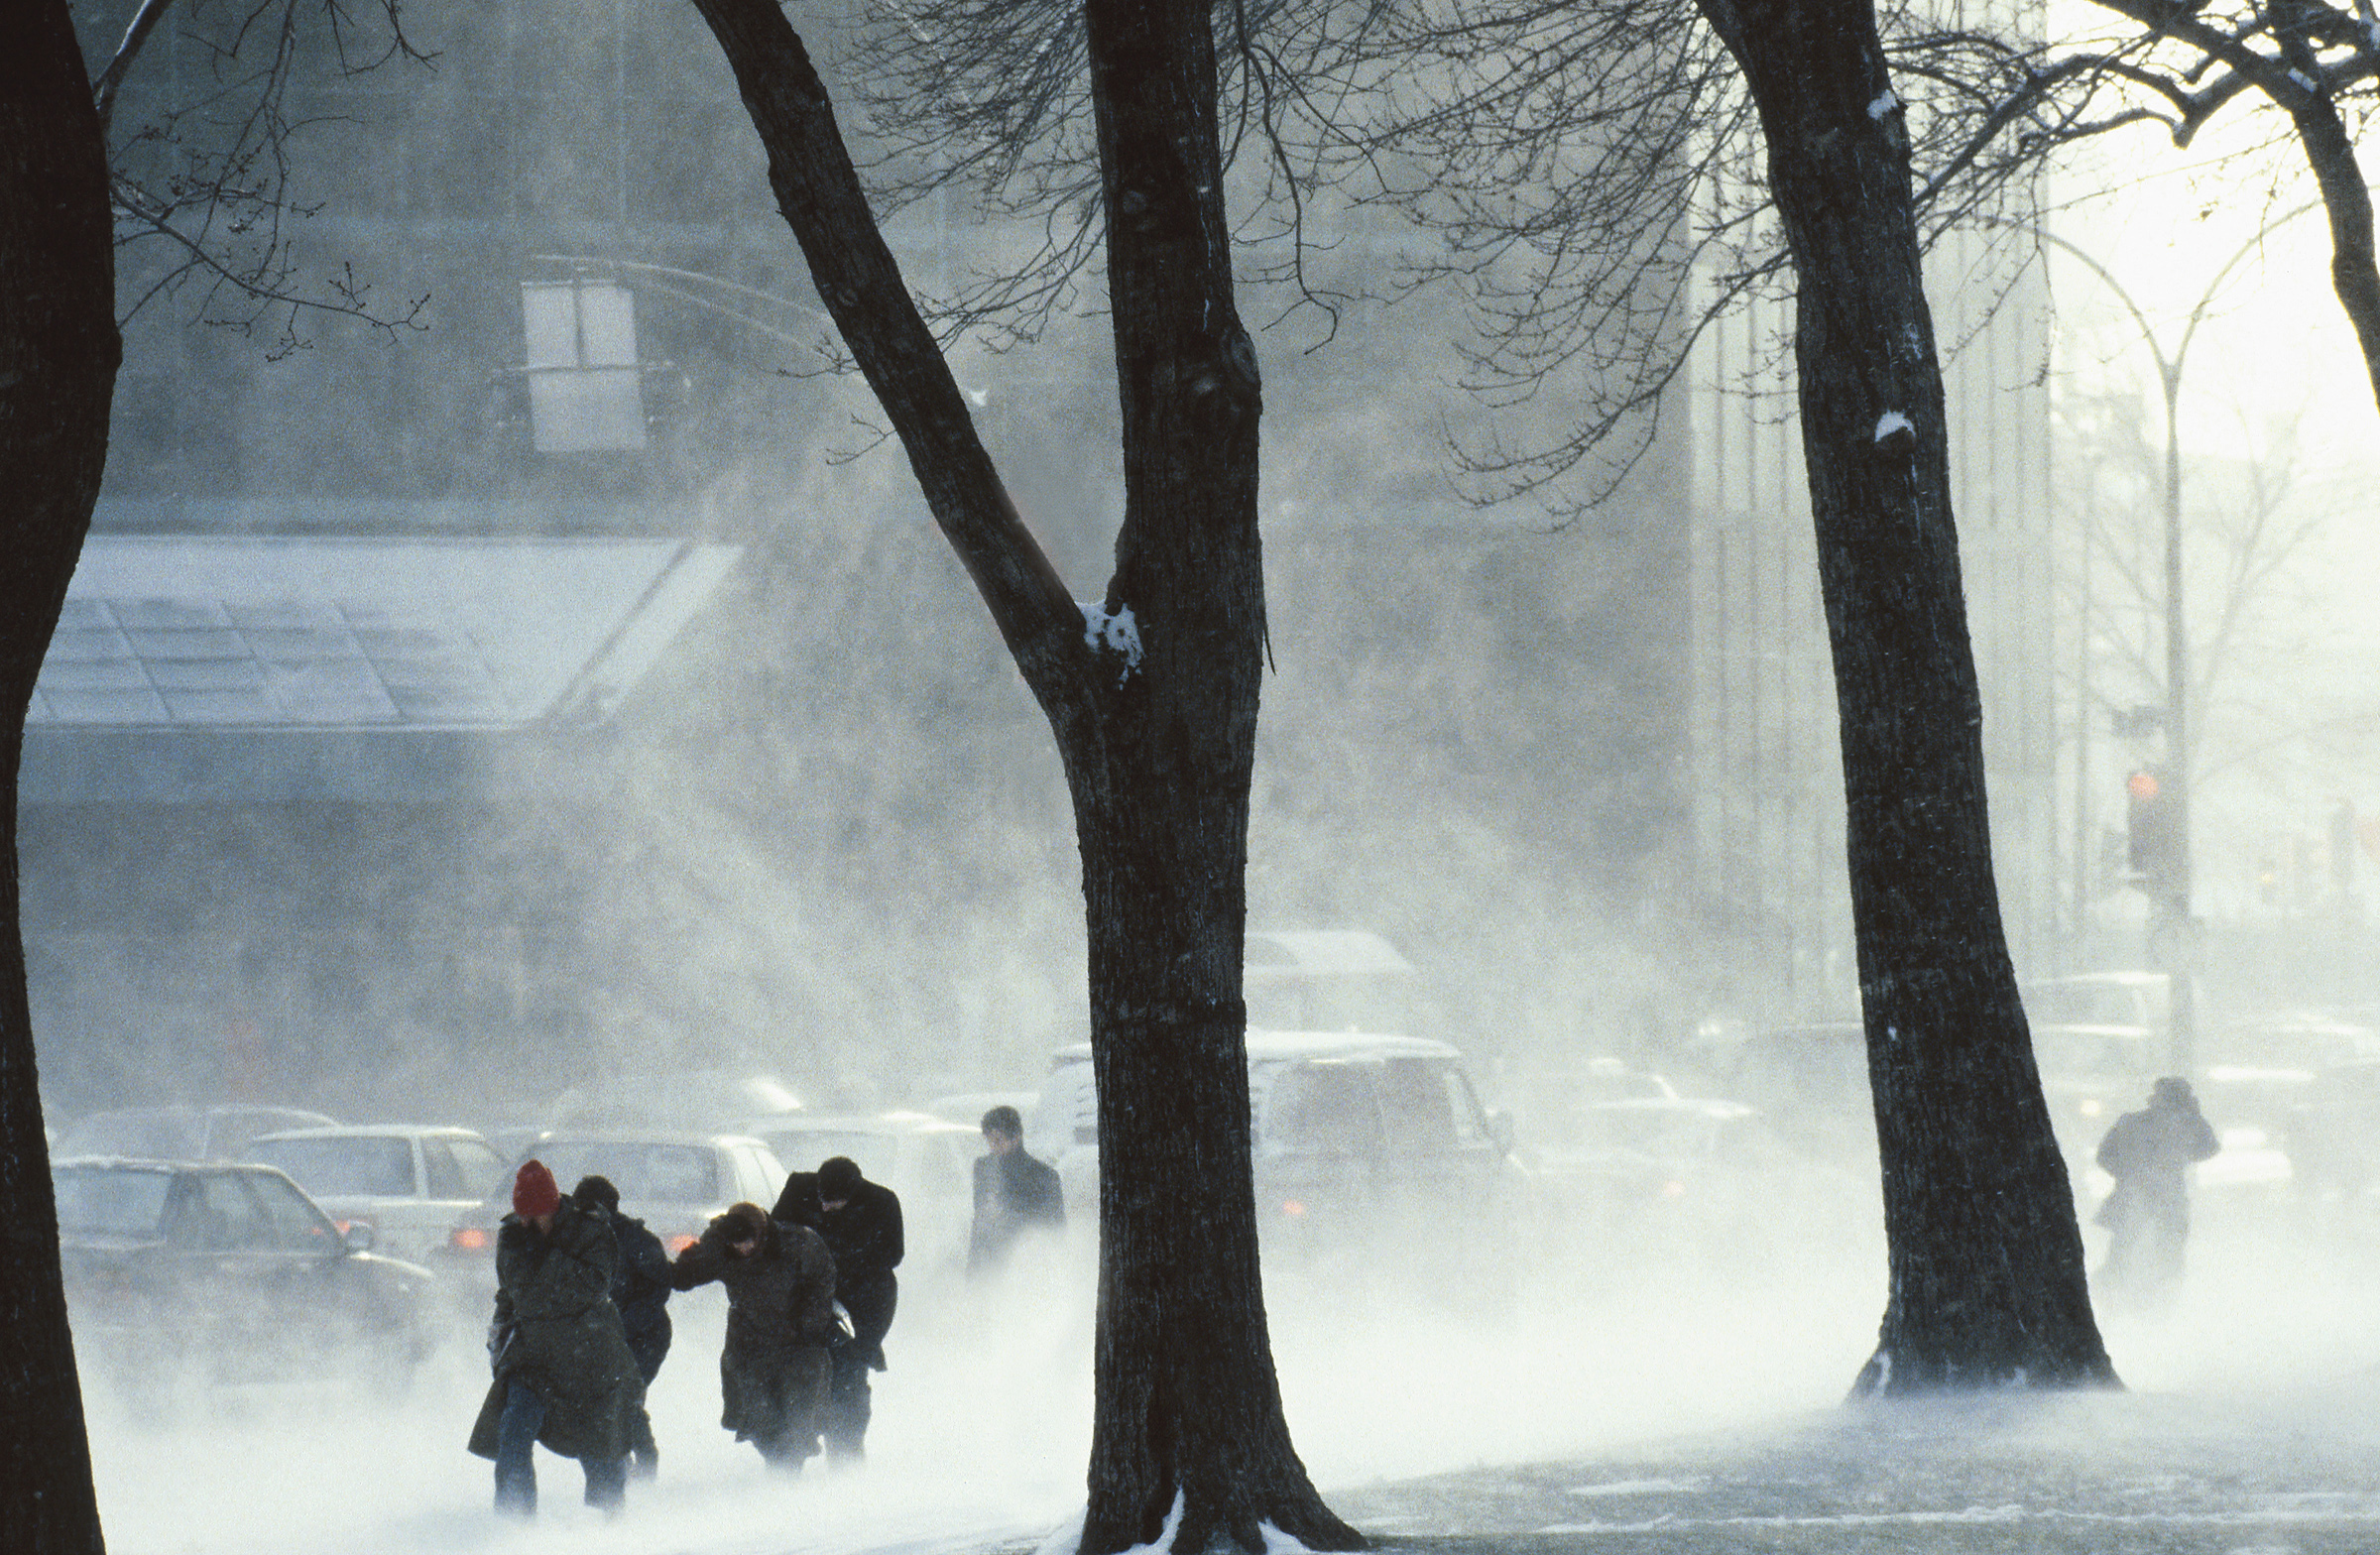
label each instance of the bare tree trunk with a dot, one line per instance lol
(1152, 699)
(58, 352)
(1987, 1282)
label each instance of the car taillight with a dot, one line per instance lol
(674, 1245)
(1293, 1209)
(468, 1238)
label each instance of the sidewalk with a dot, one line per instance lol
(2103, 1474)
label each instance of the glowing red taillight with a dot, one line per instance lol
(469, 1238)
(677, 1244)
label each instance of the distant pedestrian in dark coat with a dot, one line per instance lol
(641, 1290)
(860, 1221)
(780, 1322)
(1014, 1194)
(564, 1375)
(2148, 1154)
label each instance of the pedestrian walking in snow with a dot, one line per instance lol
(1014, 1193)
(860, 1221)
(641, 1290)
(780, 1323)
(2148, 1154)
(563, 1373)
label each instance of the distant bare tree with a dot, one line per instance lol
(2181, 65)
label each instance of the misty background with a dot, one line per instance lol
(693, 747)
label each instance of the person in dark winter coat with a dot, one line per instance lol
(2148, 1154)
(564, 1375)
(860, 1221)
(780, 1323)
(641, 1290)
(1014, 1193)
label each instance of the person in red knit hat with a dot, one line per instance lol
(564, 1375)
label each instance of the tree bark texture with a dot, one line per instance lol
(1188, 1406)
(1152, 698)
(1987, 1283)
(58, 352)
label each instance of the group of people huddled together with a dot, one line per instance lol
(582, 1320)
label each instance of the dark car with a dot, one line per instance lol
(673, 1182)
(184, 1273)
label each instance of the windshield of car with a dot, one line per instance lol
(342, 1166)
(97, 1201)
(652, 1173)
(1327, 1107)
(459, 1168)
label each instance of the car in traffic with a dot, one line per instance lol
(1692, 1185)
(1372, 1152)
(929, 1161)
(673, 1182)
(179, 1133)
(409, 1183)
(185, 1275)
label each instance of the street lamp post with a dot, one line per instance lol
(2172, 931)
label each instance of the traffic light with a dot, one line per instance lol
(2154, 836)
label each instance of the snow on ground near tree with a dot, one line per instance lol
(1709, 1408)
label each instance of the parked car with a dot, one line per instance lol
(408, 1183)
(1371, 1152)
(928, 1160)
(673, 1182)
(179, 1133)
(184, 1273)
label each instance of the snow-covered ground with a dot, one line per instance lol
(1611, 1401)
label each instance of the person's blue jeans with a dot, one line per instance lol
(516, 1471)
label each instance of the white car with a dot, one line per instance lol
(928, 1160)
(407, 1182)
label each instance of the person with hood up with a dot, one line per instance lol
(2148, 1154)
(860, 1221)
(780, 1323)
(564, 1375)
(641, 1290)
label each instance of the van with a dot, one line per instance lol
(1360, 1141)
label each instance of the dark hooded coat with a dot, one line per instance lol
(558, 1332)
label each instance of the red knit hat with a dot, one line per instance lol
(535, 1191)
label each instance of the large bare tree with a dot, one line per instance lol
(1987, 1286)
(58, 351)
(1584, 163)
(1151, 694)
